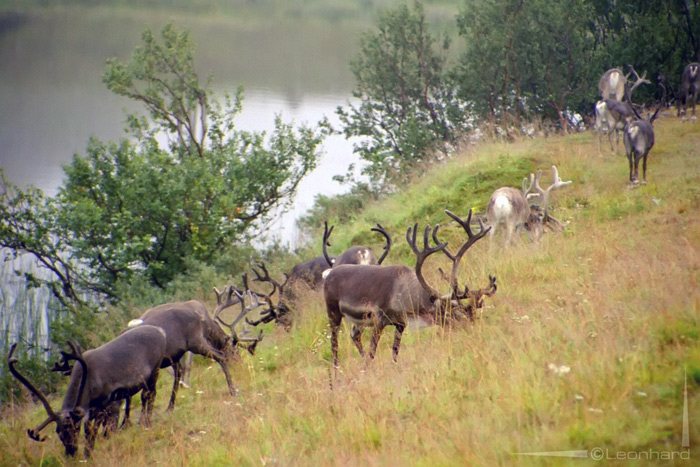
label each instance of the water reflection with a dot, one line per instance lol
(52, 97)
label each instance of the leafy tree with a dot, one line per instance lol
(525, 58)
(183, 186)
(406, 114)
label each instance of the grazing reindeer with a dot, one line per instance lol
(311, 272)
(112, 372)
(639, 139)
(188, 327)
(511, 207)
(278, 312)
(612, 114)
(378, 296)
(690, 88)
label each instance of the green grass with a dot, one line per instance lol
(615, 298)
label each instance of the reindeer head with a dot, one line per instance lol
(69, 419)
(460, 301)
(231, 296)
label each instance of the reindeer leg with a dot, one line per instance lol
(148, 397)
(91, 427)
(126, 423)
(357, 338)
(177, 374)
(644, 168)
(397, 341)
(221, 360)
(376, 334)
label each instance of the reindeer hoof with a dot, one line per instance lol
(644, 182)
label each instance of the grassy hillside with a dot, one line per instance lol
(614, 298)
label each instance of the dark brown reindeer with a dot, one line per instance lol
(114, 371)
(511, 207)
(188, 327)
(378, 296)
(310, 273)
(279, 311)
(689, 89)
(612, 114)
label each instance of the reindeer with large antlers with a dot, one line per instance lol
(512, 207)
(614, 112)
(278, 312)
(188, 327)
(379, 296)
(311, 272)
(114, 371)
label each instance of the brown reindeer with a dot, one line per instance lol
(112, 372)
(310, 273)
(189, 327)
(378, 296)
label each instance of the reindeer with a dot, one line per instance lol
(278, 312)
(189, 327)
(613, 113)
(511, 207)
(612, 84)
(112, 372)
(690, 89)
(639, 139)
(311, 272)
(378, 296)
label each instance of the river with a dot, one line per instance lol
(52, 100)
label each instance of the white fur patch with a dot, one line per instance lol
(633, 131)
(502, 207)
(134, 322)
(693, 71)
(364, 256)
(614, 79)
(325, 273)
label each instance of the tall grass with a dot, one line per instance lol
(614, 299)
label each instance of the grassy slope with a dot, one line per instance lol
(615, 298)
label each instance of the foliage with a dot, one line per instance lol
(406, 113)
(525, 59)
(141, 209)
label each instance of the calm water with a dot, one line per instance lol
(52, 98)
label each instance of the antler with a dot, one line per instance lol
(77, 355)
(231, 290)
(638, 82)
(557, 183)
(421, 255)
(472, 238)
(528, 184)
(326, 235)
(32, 433)
(379, 229)
(265, 277)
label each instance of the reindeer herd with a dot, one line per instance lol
(355, 286)
(616, 113)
